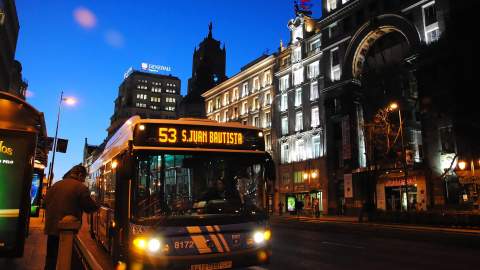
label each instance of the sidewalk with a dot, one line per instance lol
(35, 249)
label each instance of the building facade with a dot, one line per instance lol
(246, 97)
(147, 95)
(300, 118)
(9, 27)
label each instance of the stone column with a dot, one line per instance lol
(68, 226)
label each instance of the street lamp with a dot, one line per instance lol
(394, 106)
(69, 101)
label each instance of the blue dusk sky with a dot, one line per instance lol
(83, 48)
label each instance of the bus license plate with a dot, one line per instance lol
(212, 266)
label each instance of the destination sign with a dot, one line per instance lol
(198, 137)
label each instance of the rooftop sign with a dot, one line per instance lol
(154, 68)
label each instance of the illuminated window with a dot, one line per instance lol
(244, 108)
(297, 55)
(155, 99)
(142, 96)
(315, 44)
(284, 83)
(314, 91)
(268, 79)
(268, 142)
(298, 177)
(256, 121)
(284, 125)
(300, 149)
(284, 104)
(284, 154)
(268, 99)
(245, 90)
(316, 146)
(335, 75)
(298, 121)
(332, 4)
(298, 76)
(313, 70)
(286, 60)
(235, 94)
(217, 103)
(226, 99)
(315, 117)
(210, 106)
(140, 105)
(298, 97)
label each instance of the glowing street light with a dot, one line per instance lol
(394, 106)
(69, 101)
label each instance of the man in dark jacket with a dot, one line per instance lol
(66, 197)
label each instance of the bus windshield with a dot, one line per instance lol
(197, 184)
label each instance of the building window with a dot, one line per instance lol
(140, 105)
(225, 116)
(338, 105)
(298, 177)
(268, 99)
(142, 96)
(268, 79)
(334, 56)
(313, 70)
(315, 117)
(284, 154)
(433, 35)
(226, 99)
(267, 120)
(155, 99)
(285, 178)
(256, 121)
(268, 142)
(430, 14)
(245, 122)
(283, 103)
(335, 63)
(298, 76)
(333, 30)
(315, 44)
(314, 91)
(256, 84)
(297, 55)
(170, 99)
(235, 113)
(332, 4)
(284, 125)
(244, 108)
(210, 106)
(217, 117)
(245, 90)
(300, 150)
(284, 83)
(286, 60)
(256, 105)
(298, 121)
(316, 146)
(217, 103)
(298, 97)
(235, 94)
(447, 139)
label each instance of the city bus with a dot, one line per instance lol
(156, 184)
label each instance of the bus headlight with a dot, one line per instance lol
(140, 243)
(258, 237)
(153, 245)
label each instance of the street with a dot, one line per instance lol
(306, 249)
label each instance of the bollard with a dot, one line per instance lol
(68, 226)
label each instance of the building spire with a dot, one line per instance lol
(210, 30)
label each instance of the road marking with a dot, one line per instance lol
(336, 244)
(257, 268)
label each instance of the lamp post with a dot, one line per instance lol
(50, 176)
(394, 106)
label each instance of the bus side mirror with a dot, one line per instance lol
(270, 168)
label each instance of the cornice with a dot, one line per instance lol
(340, 12)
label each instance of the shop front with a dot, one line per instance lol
(392, 196)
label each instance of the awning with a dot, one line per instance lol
(17, 114)
(468, 177)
